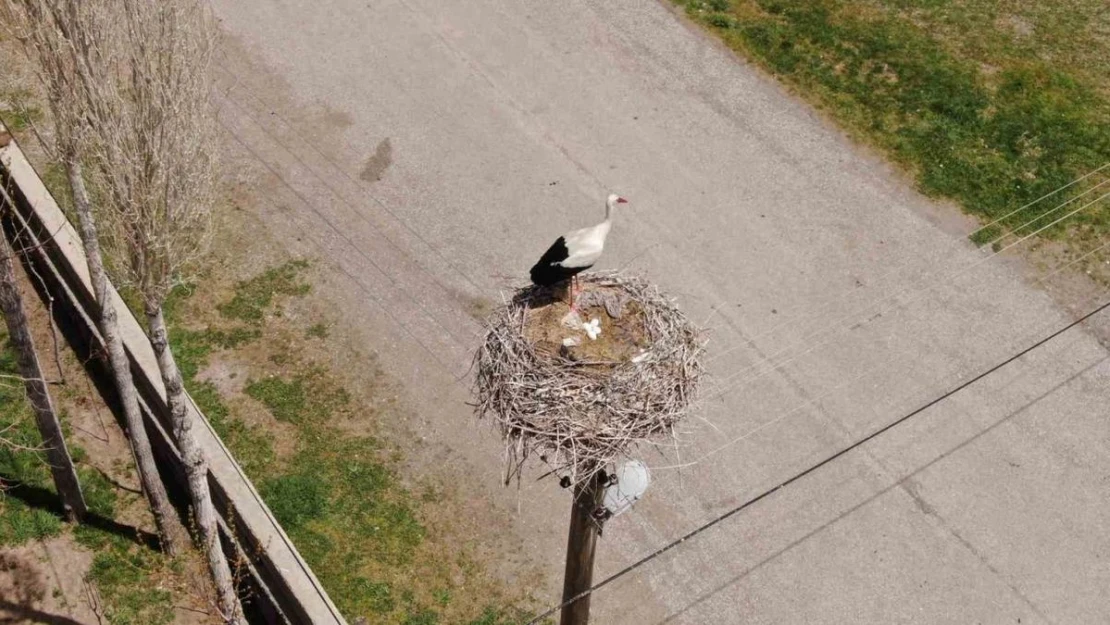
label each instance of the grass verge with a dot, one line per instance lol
(333, 485)
(992, 104)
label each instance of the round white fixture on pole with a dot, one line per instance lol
(632, 480)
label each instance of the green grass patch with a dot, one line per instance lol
(254, 296)
(22, 523)
(366, 498)
(308, 398)
(296, 498)
(21, 467)
(192, 347)
(17, 111)
(377, 596)
(349, 516)
(509, 616)
(122, 572)
(253, 448)
(192, 350)
(421, 616)
(286, 400)
(102, 499)
(988, 103)
(100, 494)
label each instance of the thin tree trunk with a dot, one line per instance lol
(168, 528)
(196, 469)
(57, 455)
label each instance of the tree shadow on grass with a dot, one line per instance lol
(16, 613)
(38, 497)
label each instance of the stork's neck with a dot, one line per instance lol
(601, 230)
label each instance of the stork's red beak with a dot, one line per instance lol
(621, 200)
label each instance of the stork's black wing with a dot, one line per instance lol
(546, 272)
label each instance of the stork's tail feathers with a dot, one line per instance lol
(546, 275)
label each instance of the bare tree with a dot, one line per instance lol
(66, 40)
(154, 151)
(57, 454)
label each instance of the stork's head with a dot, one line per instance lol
(613, 200)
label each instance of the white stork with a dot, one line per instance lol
(574, 252)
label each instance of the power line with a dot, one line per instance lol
(819, 312)
(770, 491)
(814, 401)
(944, 281)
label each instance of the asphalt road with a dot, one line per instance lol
(428, 152)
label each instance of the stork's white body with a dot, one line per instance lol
(585, 245)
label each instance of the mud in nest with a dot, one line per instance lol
(623, 333)
(578, 402)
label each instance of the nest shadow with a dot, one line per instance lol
(580, 401)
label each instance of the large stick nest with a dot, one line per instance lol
(583, 406)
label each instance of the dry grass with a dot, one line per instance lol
(306, 418)
(582, 407)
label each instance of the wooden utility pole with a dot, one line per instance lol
(57, 455)
(581, 543)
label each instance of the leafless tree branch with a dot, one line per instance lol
(75, 46)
